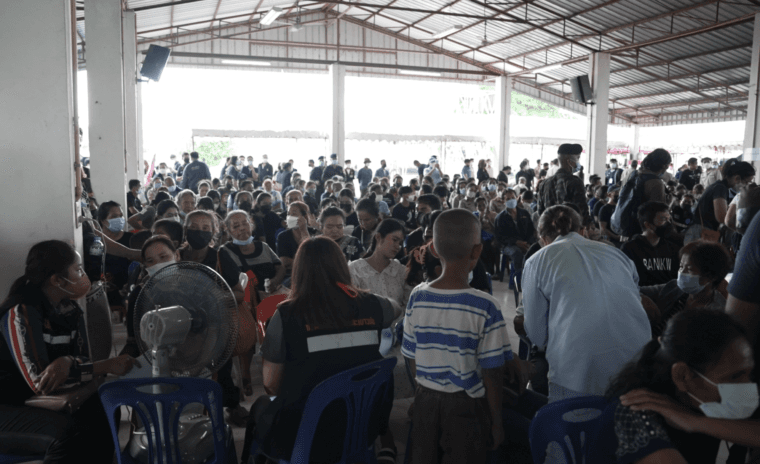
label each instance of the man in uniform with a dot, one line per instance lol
(332, 169)
(564, 186)
(613, 174)
(316, 176)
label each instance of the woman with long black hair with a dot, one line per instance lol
(45, 348)
(684, 393)
(326, 326)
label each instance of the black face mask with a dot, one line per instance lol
(423, 219)
(186, 160)
(229, 186)
(198, 239)
(346, 207)
(663, 231)
(245, 206)
(398, 184)
(266, 209)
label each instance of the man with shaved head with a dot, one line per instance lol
(456, 340)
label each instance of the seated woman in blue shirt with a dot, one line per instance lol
(671, 403)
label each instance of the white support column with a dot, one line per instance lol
(130, 95)
(636, 141)
(752, 128)
(37, 134)
(338, 111)
(140, 155)
(503, 106)
(598, 113)
(105, 88)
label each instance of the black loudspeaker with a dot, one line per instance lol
(155, 61)
(582, 92)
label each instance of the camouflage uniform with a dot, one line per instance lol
(560, 188)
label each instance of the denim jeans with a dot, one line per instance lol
(516, 256)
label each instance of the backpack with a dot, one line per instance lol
(625, 220)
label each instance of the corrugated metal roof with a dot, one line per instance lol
(666, 54)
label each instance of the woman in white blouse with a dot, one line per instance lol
(378, 271)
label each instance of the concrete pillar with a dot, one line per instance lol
(598, 113)
(752, 128)
(37, 136)
(337, 132)
(636, 141)
(503, 106)
(140, 156)
(105, 88)
(130, 95)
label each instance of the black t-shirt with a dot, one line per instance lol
(654, 264)
(415, 239)
(682, 216)
(705, 207)
(271, 223)
(597, 207)
(528, 175)
(502, 177)
(352, 219)
(286, 243)
(689, 178)
(605, 214)
(405, 214)
(133, 202)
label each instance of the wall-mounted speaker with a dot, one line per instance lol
(582, 92)
(155, 61)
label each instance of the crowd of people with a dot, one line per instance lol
(621, 284)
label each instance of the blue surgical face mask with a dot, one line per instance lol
(689, 283)
(462, 191)
(116, 224)
(334, 162)
(172, 188)
(613, 165)
(492, 188)
(511, 204)
(242, 242)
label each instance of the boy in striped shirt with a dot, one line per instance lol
(456, 340)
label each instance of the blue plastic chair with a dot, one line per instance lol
(190, 390)
(565, 431)
(360, 388)
(8, 459)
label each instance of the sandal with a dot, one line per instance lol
(387, 455)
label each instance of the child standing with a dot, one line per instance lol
(456, 340)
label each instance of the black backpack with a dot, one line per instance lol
(625, 220)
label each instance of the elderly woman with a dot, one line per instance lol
(46, 349)
(704, 266)
(321, 296)
(613, 326)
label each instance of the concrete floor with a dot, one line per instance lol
(399, 420)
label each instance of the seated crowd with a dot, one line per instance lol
(620, 283)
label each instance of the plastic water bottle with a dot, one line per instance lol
(97, 248)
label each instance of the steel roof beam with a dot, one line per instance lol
(680, 35)
(617, 28)
(682, 76)
(674, 92)
(536, 28)
(657, 106)
(685, 57)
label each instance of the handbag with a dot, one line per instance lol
(246, 320)
(67, 400)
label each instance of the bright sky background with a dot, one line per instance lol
(187, 99)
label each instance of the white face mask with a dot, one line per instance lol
(737, 400)
(471, 194)
(410, 198)
(292, 222)
(157, 267)
(378, 198)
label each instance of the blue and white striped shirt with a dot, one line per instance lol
(452, 335)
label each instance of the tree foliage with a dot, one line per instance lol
(213, 153)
